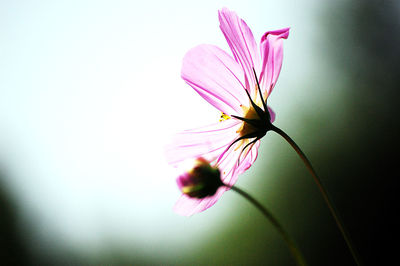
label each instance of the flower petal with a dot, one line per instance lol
(216, 76)
(272, 114)
(272, 55)
(230, 170)
(249, 158)
(229, 166)
(242, 43)
(208, 142)
(187, 206)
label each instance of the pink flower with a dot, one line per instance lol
(230, 85)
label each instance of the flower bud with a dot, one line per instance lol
(201, 180)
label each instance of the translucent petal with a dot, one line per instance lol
(272, 55)
(230, 171)
(187, 206)
(216, 76)
(242, 43)
(272, 114)
(208, 142)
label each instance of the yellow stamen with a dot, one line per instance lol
(224, 117)
(246, 128)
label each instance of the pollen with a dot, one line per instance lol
(224, 117)
(246, 128)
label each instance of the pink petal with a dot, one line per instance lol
(272, 55)
(250, 158)
(242, 43)
(216, 76)
(271, 113)
(229, 167)
(187, 206)
(207, 142)
(230, 171)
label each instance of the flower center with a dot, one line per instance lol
(249, 128)
(256, 120)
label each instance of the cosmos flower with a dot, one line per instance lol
(237, 86)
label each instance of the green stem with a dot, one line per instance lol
(293, 249)
(322, 190)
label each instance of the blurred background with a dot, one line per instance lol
(90, 93)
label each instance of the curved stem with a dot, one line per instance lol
(322, 190)
(293, 249)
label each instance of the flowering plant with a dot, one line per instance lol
(237, 86)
